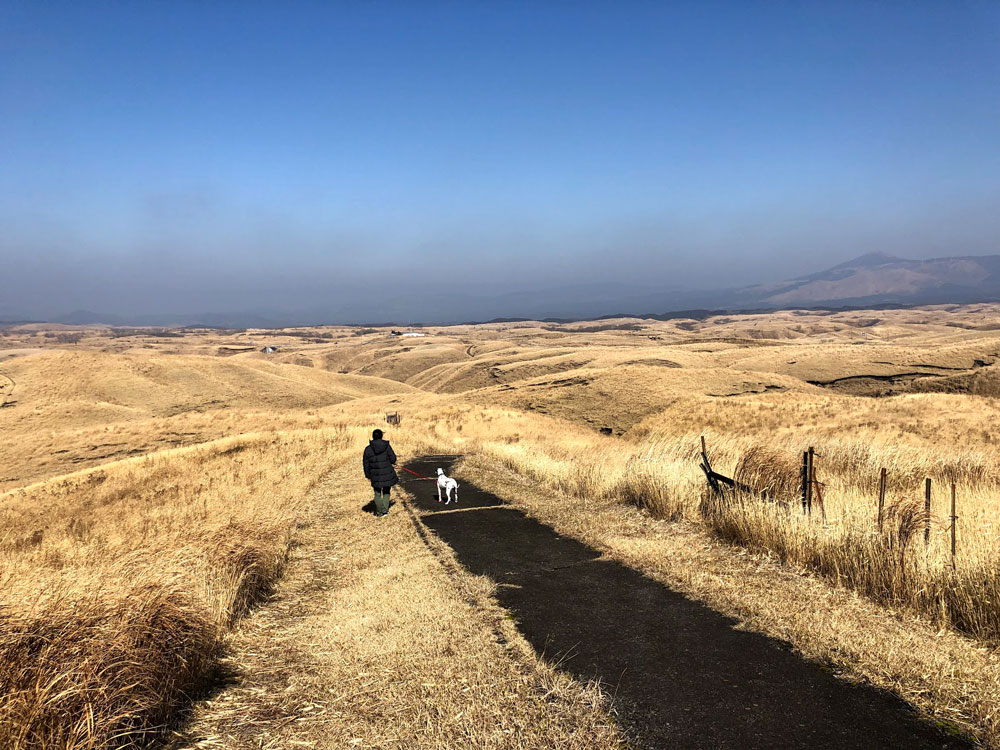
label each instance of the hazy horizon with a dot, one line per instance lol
(305, 158)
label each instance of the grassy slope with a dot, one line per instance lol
(378, 639)
(181, 544)
(119, 583)
(79, 409)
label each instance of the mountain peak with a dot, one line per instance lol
(877, 278)
(869, 260)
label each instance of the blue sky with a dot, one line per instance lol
(171, 156)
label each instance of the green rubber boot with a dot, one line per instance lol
(381, 503)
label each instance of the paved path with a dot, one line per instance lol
(680, 674)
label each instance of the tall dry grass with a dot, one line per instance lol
(119, 584)
(660, 474)
(174, 548)
(96, 671)
(892, 566)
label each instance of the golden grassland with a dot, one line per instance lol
(375, 638)
(116, 600)
(126, 581)
(82, 408)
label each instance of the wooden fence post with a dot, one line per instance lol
(927, 512)
(881, 497)
(954, 522)
(805, 480)
(811, 473)
(706, 466)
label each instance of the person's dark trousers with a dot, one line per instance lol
(381, 501)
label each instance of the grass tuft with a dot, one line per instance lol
(89, 672)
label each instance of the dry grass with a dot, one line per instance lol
(378, 639)
(893, 567)
(94, 672)
(641, 486)
(950, 678)
(771, 471)
(81, 409)
(121, 583)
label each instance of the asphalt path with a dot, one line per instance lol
(680, 674)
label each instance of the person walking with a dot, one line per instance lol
(379, 461)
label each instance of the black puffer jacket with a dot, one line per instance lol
(378, 460)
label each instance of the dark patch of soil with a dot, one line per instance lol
(681, 675)
(652, 363)
(561, 383)
(966, 380)
(751, 388)
(873, 385)
(862, 322)
(597, 328)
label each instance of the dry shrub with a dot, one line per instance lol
(582, 479)
(647, 490)
(94, 673)
(904, 519)
(244, 563)
(771, 471)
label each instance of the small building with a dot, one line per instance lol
(269, 349)
(414, 335)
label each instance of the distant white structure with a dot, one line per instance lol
(414, 335)
(269, 349)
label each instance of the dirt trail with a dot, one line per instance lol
(680, 673)
(376, 638)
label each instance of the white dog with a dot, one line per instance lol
(447, 484)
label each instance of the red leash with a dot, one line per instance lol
(421, 476)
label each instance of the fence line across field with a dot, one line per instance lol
(811, 490)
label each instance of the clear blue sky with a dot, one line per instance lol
(169, 156)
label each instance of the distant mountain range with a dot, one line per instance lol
(871, 280)
(875, 279)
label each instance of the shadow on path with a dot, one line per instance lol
(680, 674)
